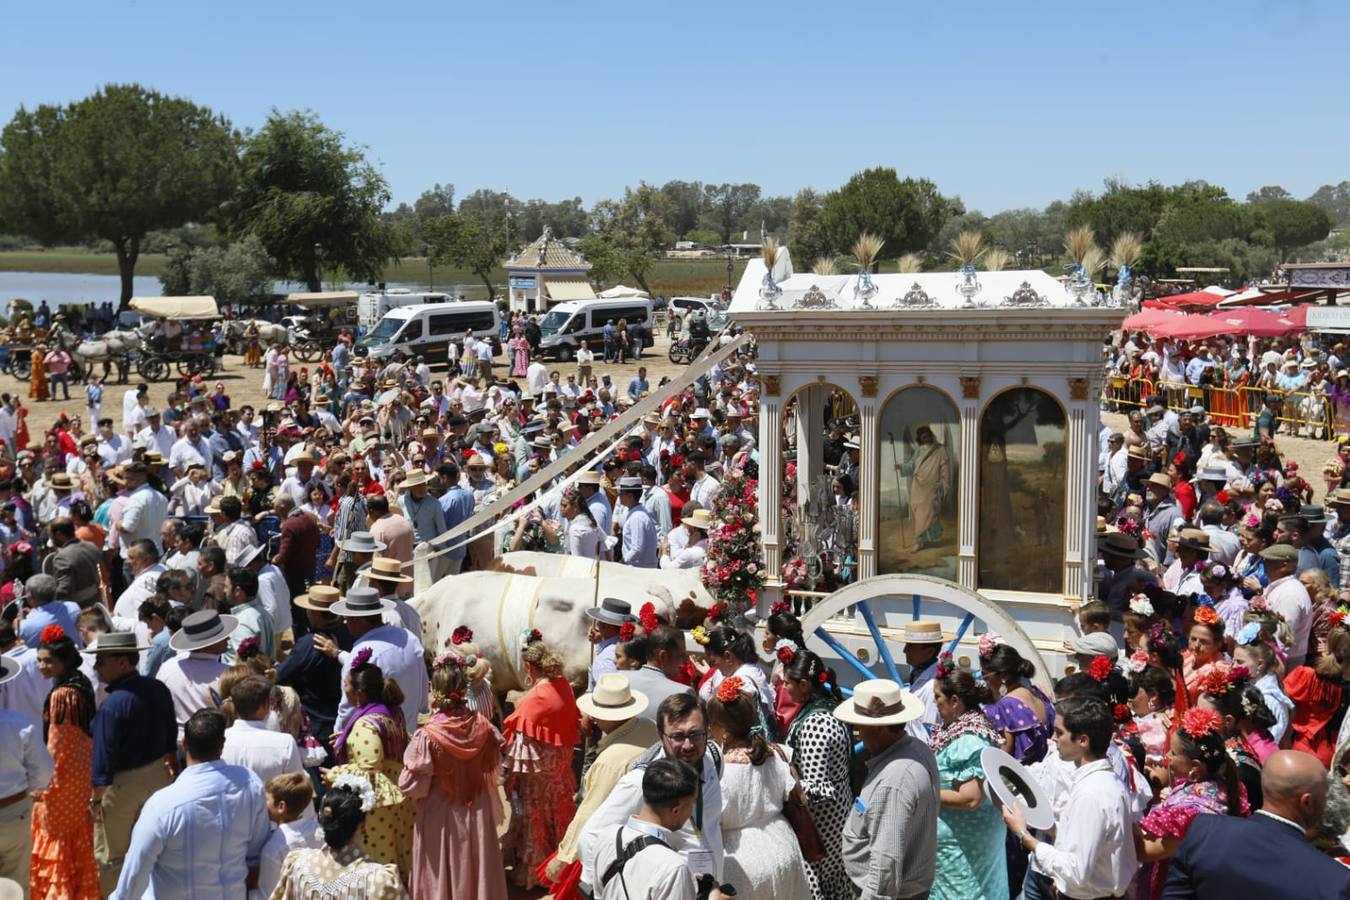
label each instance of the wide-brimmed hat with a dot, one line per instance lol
(476, 461)
(9, 669)
(630, 483)
(202, 629)
(1316, 515)
(1194, 539)
(879, 701)
(385, 568)
(590, 476)
(61, 482)
(1339, 497)
(414, 478)
(1139, 451)
(361, 601)
(319, 597)
(213, 506)
(699, 518)
(920, 632)
(1217, 472)
(362, 542)
(613, 699)
(116, 642)
(612, 611)
(1118, 543)
(1160, 480)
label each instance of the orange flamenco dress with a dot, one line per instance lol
(1316, 703)
(62, 863)
(540, 736)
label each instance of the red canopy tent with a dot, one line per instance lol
(1149, 319)
(1190, 328)
(1194, 298)
(1297, 315)
(1247, 320)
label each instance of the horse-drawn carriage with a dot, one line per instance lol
(328, 312)
(178, 338)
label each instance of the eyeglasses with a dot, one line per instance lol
(688, 737)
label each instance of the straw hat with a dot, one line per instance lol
(879, 701)
(202, 629)
(476, 462)
(590, 476)
(699, 518)
(922, 632)
(1160, 480)
(1194, 539)
(319, 597)
(613, 700)
(386, 568)
(415, 478)
(61, 482)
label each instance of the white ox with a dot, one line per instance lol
(551, 593)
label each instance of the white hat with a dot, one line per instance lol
(919, 632)
(879, 701)
(613, 700)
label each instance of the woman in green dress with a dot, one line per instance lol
(971, 863)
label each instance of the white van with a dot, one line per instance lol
(372, 305)
(428, 329)
(681, 305)
(567, 324)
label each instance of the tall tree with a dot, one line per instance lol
(313, 201)
(1335, 199)
(726, 207)
(237, 273)
(1268, 193)
(1294, 223)
(806, 236)
(116, 165)
(629, 236)
(439, 201)
(470, 241)
(905, 214)
(686, 205)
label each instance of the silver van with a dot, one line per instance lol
(428, 329)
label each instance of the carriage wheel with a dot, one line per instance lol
(896, 597)
(154, 369)
(22, 366)
(203, 365)
(310, 351)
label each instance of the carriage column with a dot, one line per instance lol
(969, 503)
(1082, 465)
(770, 493)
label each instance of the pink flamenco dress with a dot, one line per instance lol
(450, 772)
(1172, 818)
(540, 736)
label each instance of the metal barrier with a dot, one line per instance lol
(1305, 414)
(1120, 391)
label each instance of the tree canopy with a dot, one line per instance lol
(629, 236)
(236, 273)
(117, 165)
(313, 202)
(906, 214)
(472, 240)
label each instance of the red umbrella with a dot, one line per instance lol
(1150, 319)
(1190, 328)
(1251, 320)
(1297, 316)
(1194, 298)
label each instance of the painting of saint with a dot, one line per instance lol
(920, 453)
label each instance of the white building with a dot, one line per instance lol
(546, 272)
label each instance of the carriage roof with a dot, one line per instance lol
(317, 299)
(177, 307)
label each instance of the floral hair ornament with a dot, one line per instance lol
(529, 636)
(1250, 634)
(626, 631)
(1121, 713)
(1200, 722)
(1140, 605)
(1215, 681)
(780, 606)
(1100, 668)
(786, 651)
(360, 659)
(51, 634)
(251, 646)
(988, 643)
(1205, 615)
(647, 616)
(1156, 631)
(1135, 663)
(448, 660)
(461, 635)
(945, 666)
(1218, 570)
(700, 635)
(730, 689)
(1335, 617)
(358, 786)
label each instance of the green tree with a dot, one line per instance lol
(1294, 223)
(237, 273)
(629, 235)
(439, 201)
(806, 236)
(906, 214)
(313, 202)
(470, 241)
(726, 207)
(686, 205)
(1268, 193)
(117, 165)
(1335, 199)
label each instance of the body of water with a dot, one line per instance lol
(64, 287)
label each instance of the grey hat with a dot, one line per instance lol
(542, 443)
(1099, 643)
(116, 642)
(361, 601)
(1197, 410)
(1155, 410)
(1217, 473)
(202, 629)
(1316, 515)
(612, 611)
(9, 669)
(362, 542)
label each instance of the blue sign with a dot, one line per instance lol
(522, 283)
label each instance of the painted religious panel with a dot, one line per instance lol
(920, 431)
(1022, 506)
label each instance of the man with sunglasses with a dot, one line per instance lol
(682, 724)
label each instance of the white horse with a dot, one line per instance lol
(268, 333)
(110, 348)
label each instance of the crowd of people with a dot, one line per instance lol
(214, 683)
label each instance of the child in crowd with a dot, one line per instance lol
(290, 806)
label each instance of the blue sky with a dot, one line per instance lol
(1005, 104)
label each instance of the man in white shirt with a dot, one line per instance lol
(536, 378)
(1286, 595)
(9, 421)
(703, 487)
(132, 401)
(190, 448)
(143, 511)
(191, 676)
(249, 743)
(113, 448)
(143, 563)
(396, 650)
(155, 435)
(25, 767)
(1093, 854)
(692, 552)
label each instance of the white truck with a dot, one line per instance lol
(372, 305)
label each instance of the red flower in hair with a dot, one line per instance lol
(51, 633)
(1200, 722)
(787, 656)
(1336, 617)
(1214, 681)
(461, 635)
(1205, 615)
(730, 689)
(780, 606)
(626, 631)
(823, 676)
(1121, 713)
(647, 615)
(1100, 669)
(715, 613)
